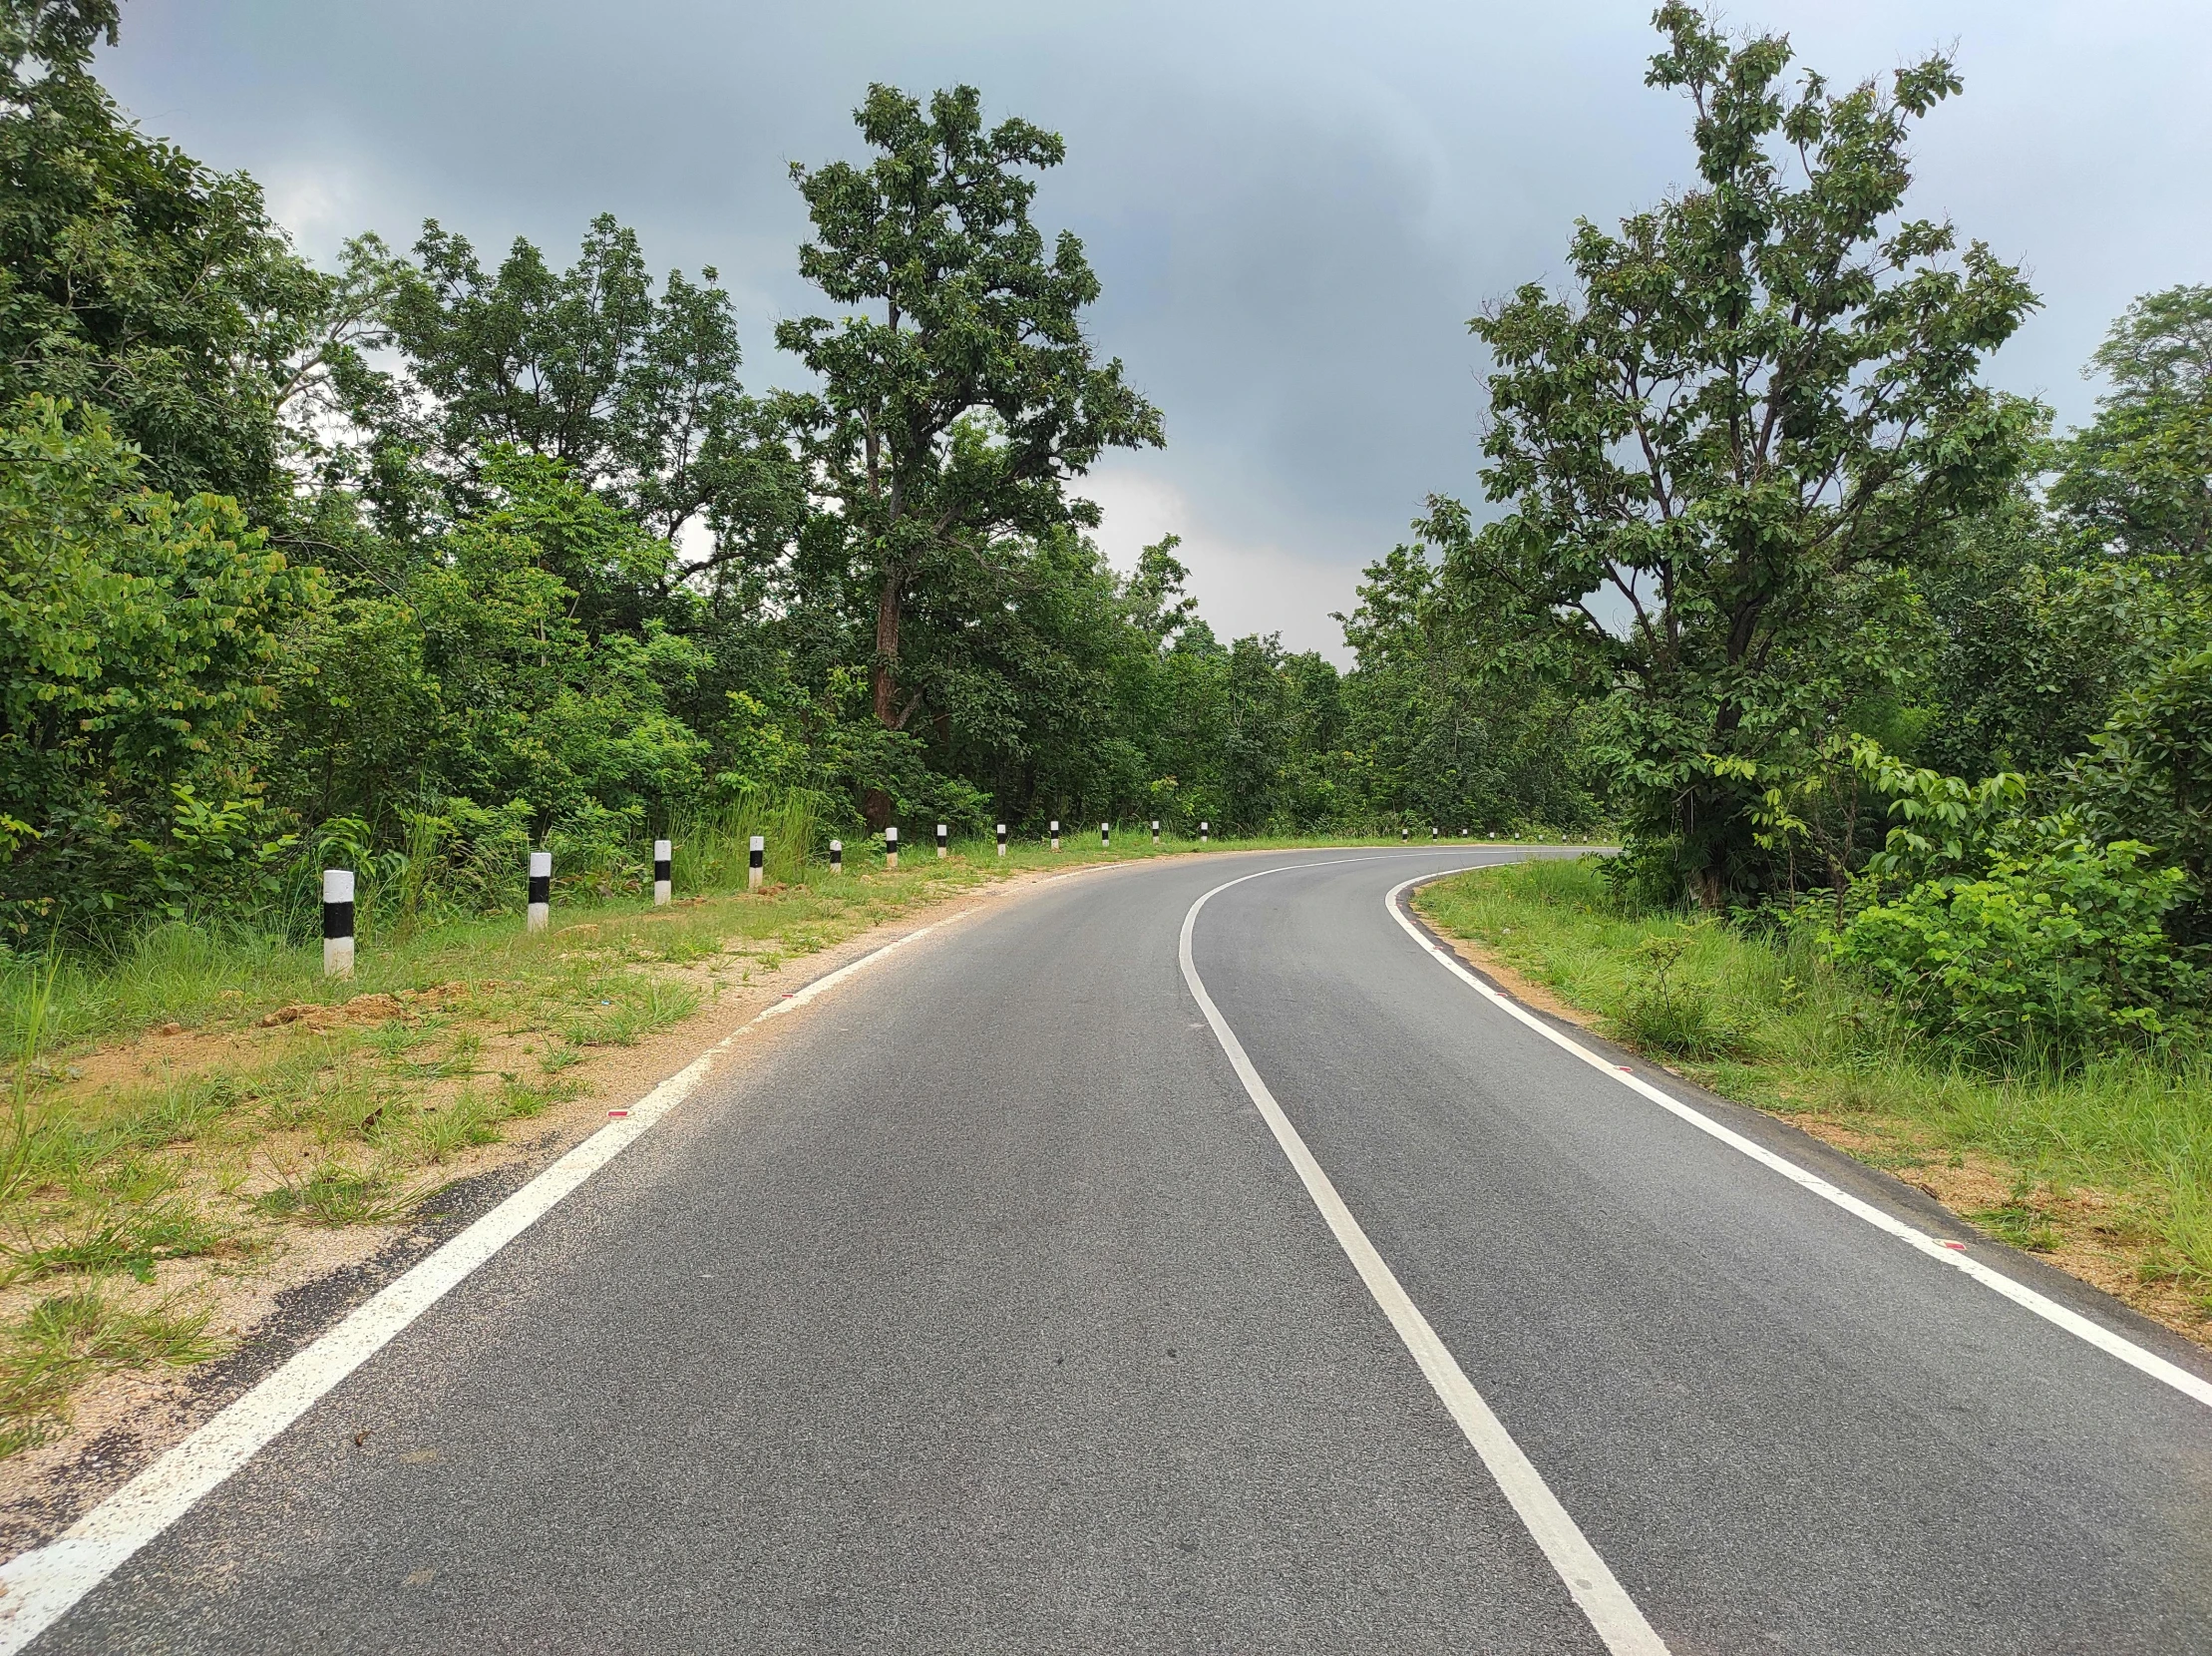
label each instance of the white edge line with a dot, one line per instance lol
(2083, 1327)
(1612, 1613)
(42, 1584)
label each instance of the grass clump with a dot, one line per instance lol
(74, 1337)
(334, 1195)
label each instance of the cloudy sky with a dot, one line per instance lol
(1293, 207)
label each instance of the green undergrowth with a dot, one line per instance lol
(1763, 1018)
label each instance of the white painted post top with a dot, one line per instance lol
(836, 845)
(337, 885)
(759, 843)
(1055, 825)
(1001, 827)
(661, 851)
(541, 865)
(892, 834)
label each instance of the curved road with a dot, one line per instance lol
(982, 1310)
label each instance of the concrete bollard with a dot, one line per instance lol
(942, 851)
(663, 871)
(891, 847)
(337, 923)
(1432, 836)
(756, 859)
(1105, 835)
(1055, 833)
(1155, 830)
(1202, 833)
(539, 913)
(1404, 834)
(837, 856)
(1002, 839)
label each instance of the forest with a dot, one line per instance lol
(419, 562)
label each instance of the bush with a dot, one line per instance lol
(2065, 948)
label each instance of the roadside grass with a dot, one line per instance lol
(2105, 1163)
(187, 1100)
(71, 1338)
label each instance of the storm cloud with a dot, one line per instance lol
(1293, 209)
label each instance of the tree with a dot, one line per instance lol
(136, 281)
(2139, 480)
(1759, 398)
(951, 420)
(636, 393)
(138, 637)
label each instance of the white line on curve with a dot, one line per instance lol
(2095, 1333)
(42, 1584)
(1601, 1597)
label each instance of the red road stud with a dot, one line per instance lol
(1956, 1247)
(614, 1113)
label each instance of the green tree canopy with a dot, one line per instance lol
(1756, 398)
(957, 404)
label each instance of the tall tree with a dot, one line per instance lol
(634, 392)
(2139, 478)
(1757, 397)
(963, 397)
(136, 281)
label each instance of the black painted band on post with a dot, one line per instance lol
(664, 868)
(756, 853)
(541, 888)
(337, 920)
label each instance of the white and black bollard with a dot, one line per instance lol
(890, 846)
(1432, 836)
(1404, 834)
(1002, 839)
(663, 871)
(837, 856)
(1155, 830)
(1055, 833)
(337, 923)
(1105, 835)
(756, 862)
(1202, 833)
(942, 851)
(539, 913)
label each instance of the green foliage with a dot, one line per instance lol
(1755, 405)
(136, 281)
(2062, 949)
(2150, 775)
(138, 637)
(949, 423)
(2139, 480)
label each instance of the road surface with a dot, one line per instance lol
(982, 1310)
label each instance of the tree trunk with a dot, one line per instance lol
(885, 671)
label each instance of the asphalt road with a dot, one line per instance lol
(980, 1312)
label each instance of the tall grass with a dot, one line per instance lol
(712, 850)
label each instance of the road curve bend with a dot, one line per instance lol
(992, 1307)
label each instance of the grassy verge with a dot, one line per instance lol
(2104, 1166)
(198, 1107)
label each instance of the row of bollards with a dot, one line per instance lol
(338, 882)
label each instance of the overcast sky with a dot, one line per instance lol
(1293, 207)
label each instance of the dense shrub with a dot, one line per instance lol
(2065, 947)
